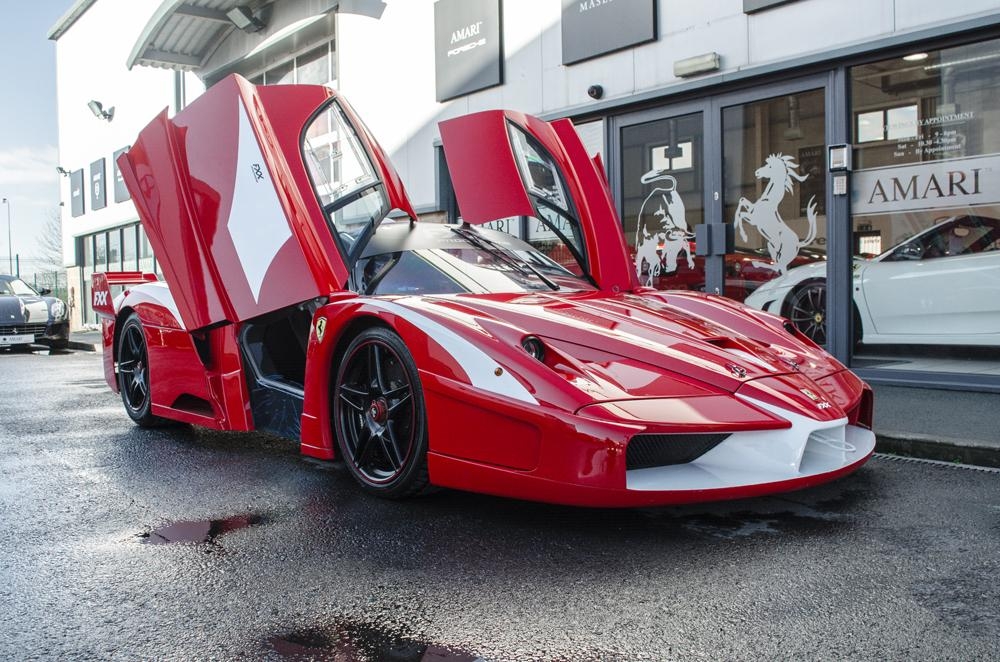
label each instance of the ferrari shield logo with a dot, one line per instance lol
(320, 328)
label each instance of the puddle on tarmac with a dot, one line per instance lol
(199, 531)
(350, 641)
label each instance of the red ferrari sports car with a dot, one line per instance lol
(301, 296)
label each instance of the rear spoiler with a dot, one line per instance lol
(103, 281)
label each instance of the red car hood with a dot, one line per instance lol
(615, 347)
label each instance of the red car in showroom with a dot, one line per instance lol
(301, 297)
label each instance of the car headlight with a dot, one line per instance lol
(58, 310)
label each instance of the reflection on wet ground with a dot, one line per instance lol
(817, 512)
(199, 531)
(355, 641)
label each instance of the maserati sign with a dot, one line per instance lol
(595, 27)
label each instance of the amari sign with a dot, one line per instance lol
(468, 54)
(595, 27)
(964, 182)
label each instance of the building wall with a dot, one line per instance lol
(91, 65)
(385, 66)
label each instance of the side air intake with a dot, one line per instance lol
(660, 450)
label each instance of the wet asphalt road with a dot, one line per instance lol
(900, 561)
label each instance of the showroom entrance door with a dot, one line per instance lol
(665, 188)
(753, 159)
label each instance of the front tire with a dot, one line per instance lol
(133, 373)
(378, 411)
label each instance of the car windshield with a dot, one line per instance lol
(17, 287)
(448, 259)
(964, 235)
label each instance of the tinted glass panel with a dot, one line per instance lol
(925, 210)
(774, 191)
(663, 200)
(314, 67)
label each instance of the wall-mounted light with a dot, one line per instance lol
(244, 19)
(915, 57)
(794, 131)
(699, 64)
(97, 108)
(62, 171)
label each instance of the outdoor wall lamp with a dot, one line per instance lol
(699, 64)
(243, 18)
(97, 108)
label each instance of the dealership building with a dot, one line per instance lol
(833, 162)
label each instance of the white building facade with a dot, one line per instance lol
(708, 115)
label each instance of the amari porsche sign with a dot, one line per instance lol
(468, 52)
(121, 191)
(98, 186)
(76, 194)
(595, 27)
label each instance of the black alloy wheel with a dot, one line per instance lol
(806, 309)
(133, 373)
(378, 410)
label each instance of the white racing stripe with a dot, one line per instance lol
(480, 368)
(159, 293)
(256, 221)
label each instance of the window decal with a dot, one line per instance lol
(783, 243)
(662, 231)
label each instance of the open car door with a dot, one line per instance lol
(253, 198)
(505, 164)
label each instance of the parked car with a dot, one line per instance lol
(448, 355)
(941, 286)
(743, 273)
(29, 316)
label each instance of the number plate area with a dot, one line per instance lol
(19, 339)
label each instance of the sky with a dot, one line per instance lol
(28, 130)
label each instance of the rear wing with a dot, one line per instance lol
(102, 282)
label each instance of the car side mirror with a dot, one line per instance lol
(912, 251)
(44, 291)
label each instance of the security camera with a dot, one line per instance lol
(595, 91)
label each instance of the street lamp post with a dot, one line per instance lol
(10, 244)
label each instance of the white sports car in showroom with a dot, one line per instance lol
(941, 286)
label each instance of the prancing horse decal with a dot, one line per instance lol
(783, 243)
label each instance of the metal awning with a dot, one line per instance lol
(183, 34)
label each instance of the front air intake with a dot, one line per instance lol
(660, 450)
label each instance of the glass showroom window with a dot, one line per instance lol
(925, 210)
(774, 193)
(663, 199)
(316, 66)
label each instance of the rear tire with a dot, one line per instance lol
(133, 373)
(379, 416)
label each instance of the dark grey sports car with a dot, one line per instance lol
(28, 316)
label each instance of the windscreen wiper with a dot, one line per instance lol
(522, 266)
